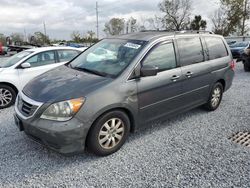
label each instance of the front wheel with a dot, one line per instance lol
(7, 96)
(215, 97)
(108, 133)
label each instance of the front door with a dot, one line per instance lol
(159, 95)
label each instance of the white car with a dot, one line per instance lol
(18, 70)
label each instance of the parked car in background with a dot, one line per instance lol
(246, 59)
(238, 48)
(121, 84)
(83, 48)
(3, 50)
(18, 70)
(231, 42)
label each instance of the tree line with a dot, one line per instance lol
(230, 18)
(176, 15)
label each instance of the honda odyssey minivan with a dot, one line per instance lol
(120, 84)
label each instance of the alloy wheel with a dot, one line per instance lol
(111, 133)
(216, 96)
(5, 97)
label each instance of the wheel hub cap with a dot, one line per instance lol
(111, 133)
(216, 97)
(5, 97)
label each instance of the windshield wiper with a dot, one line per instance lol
(90, 71)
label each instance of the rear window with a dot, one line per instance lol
(216, 47)
(190, 50)
(67, 55)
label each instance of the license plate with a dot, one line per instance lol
(18, 123)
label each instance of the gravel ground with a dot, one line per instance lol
(190, 150)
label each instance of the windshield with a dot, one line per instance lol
(240, 44)
(109, 57)
(8, 62)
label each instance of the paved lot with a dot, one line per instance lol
(190, 150)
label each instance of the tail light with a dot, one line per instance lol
(232, 64)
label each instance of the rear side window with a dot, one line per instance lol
(67, 55)
(216, 47)
(190, 50)
(162, 56)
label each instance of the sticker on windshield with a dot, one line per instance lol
(132, 45)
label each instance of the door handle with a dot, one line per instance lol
(175, 78)
(189, 74)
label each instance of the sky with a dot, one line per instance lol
(62, 17)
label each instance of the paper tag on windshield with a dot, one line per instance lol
(132, 45)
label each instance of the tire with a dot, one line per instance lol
(7, 96)
(102, 140)
(246, 68)
(215, 97)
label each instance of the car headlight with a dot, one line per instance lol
(63, 111)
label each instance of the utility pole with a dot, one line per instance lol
(244, 17)
(45, 32)
(97, 21)
(25, 35)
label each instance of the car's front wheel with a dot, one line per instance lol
(215, 97)
(7, 96)
(108, 133)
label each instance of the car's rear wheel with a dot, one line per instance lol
(246, 68)
(108, 133)
(215, 97)
(7, 96)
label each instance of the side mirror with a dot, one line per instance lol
(25, 65)
(149, 70)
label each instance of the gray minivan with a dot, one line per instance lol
(120, 84)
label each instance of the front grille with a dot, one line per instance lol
(26, 108)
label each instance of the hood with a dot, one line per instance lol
(61, 84)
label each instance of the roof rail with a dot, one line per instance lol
(193, 31)
(181, 32)
(157, 30)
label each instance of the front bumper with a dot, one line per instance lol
(63, 137)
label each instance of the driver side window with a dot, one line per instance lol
(41, 59)
(162, 56)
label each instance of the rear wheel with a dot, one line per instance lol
(246, 68)
(7, 96)
(108, 133)
(215, 97)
